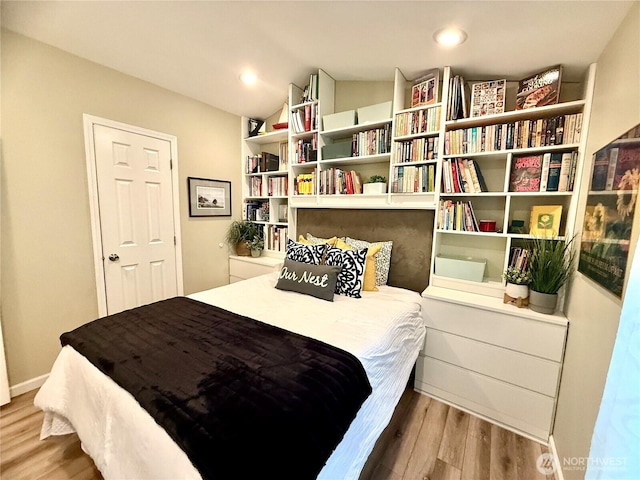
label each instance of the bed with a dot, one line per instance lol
(383, 330)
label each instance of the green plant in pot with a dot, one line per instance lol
(239, 234)
(550, 266)
(376, 184)
(256, 245)
(517, 282)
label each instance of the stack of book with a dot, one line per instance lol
(371, 142)
(305, 183)
(337, 181)
(458, 106)
(415, 122)
(418, 179)
(457, 216)
(462, 175)
(548, 172)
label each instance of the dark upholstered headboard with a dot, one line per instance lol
(410, 230)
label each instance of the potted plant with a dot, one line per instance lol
(239, 234)
(377, 184)
(256, 245)
(550, 266)
(517, 282)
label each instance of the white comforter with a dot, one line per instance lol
(384, 330)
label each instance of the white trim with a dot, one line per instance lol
(90, 153)
(29, 385)
(556, 460)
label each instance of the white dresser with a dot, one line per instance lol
(241, 268)
(493, 360)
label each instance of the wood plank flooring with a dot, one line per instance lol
(426, 440)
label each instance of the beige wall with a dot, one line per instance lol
(593, 313)
(47, 259)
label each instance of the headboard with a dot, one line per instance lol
(410, 230)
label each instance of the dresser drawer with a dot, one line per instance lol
(533, 373)
(519, 408)
(521, 334)
(241, 268)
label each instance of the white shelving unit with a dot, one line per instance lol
(271, 142)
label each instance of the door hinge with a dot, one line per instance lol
(170, 164)
(175, 242)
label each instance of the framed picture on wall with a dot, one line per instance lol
(209, 198)
(608, 219)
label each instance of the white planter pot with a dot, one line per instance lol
(374, 188)
(517, 291)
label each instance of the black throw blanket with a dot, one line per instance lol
(243, 399)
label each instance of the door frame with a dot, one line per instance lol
(96, 232)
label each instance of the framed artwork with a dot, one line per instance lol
(425, 89)
(608, 218)
(209, 198)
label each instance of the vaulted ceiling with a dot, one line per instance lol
(199, 48)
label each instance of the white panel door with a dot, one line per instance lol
(135, 198)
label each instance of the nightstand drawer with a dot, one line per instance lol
(241, 268)
(508, 404)
(525, 335)
(533, 373)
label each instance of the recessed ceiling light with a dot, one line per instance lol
(248, 77)
(449, 37)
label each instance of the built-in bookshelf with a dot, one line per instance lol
(265, 185)
(520, 154)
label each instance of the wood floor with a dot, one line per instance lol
(426, 440)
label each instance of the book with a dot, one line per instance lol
(525, 174)
(545, 220)
(487, 98)
(477, 173)
(269, 162)
(600, 170)
(542, 88)
(611, 171)
(544, 174)
(565, 171)
(553, 179)
(425, 88)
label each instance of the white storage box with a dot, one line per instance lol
(375, 113)
(339, 120)
(464, 268)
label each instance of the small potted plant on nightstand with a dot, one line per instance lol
(376, 185)
(517, 286)
(550, 266)
(240, 233)
(256, 245)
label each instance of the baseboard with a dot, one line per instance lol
(27, 386)
(556, 459)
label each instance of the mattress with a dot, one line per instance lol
(384, 330)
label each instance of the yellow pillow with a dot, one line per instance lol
(369, 282)
(330, 241)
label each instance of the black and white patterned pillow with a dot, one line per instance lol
(299, 252)
(351, 277)
(383, 257)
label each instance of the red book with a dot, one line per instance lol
(307, 118)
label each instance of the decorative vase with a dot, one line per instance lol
(242, 249)
(517, 291)
(256, 253)
(543, 302)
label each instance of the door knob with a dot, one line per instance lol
(114, 257)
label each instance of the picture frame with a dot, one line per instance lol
(208, 197)
(607, 229)
(545, 220)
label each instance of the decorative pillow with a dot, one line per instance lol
(311, 254)
(307, 241)
(331, 241)
(316, 280)
(383, 260)
(350, 278)
(369, 283)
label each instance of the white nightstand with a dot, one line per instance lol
(494, 360)
(241, 268)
